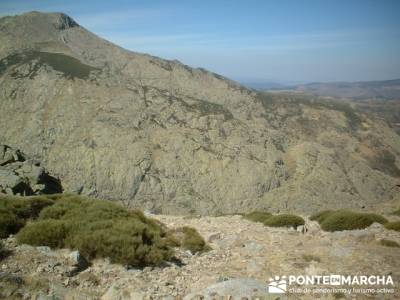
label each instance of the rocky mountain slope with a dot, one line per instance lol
(168, 138)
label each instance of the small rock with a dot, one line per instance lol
(66, 282)
(78, 263)
(24, 247)
(52, 265)
(363, 235)
(43, 249)
(115, 293)
(253, 247)
(239, 287)
(302, 229)
(41, 296)
(376, 226)
(212, 236)
(253, 267)
(222, 278)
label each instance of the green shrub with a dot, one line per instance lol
(43, 233)
(128, 242)
(320, 216)
(31, 207)
(68, 66)
(389, 243)
(100, 229)
(339, 295)
(188, 238)
(15, 211)
(9, 223)
(396, 212)
(73, 207)
(393, 225)
(284, 220)
(346, 220)
(310, 257)
(25, 207)
(3, 252)
(257, 216)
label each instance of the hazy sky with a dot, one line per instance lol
(298, 40)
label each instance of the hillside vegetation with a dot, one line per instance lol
(346, 220)
(96, 228)
(282, 220)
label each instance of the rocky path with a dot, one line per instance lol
(244, 256)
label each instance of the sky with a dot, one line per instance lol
(283, 41)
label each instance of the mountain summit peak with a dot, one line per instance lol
(60, 20)
(64, 21)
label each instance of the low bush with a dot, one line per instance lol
(3, 252)
(188, 238)
(30, 208)
(339, 295)
(15, 211)
(320, 216)
(43, 233)
(389, 243)
(25, 207)
(127, 241)
(393, 225)
(9, 223)
(346, 220)
(100, 229)
(257, 216)
(310, 258)
(396, 212)
(284, 220)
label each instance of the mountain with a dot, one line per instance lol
(263, 85)
(162, 136)
(363, 90)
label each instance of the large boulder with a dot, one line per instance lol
(239, 288)
(22, 176)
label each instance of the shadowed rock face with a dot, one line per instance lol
(65, 22)
(165, 137)
(22, 176)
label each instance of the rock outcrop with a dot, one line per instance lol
(22, 176)
(168, 138)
